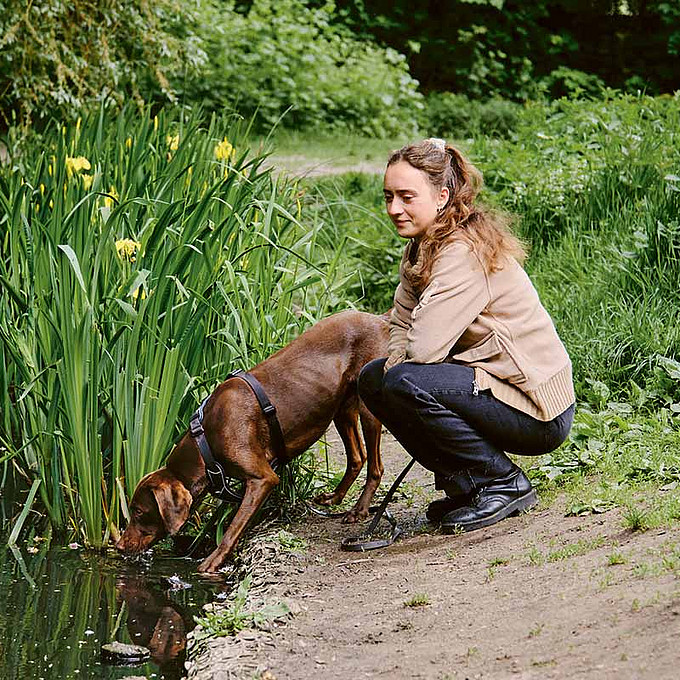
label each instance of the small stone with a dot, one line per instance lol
(120, 654)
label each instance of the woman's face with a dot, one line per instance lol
(411, 201)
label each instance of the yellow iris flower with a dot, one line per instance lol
(172, 142)
(76, 164)
(224, 151)
(127, 249)
(109, 200)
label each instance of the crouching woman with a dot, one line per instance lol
(476, 368)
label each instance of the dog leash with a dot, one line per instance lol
(359, 543)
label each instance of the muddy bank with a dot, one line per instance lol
(537, 596)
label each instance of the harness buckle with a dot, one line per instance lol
(269, 410)
(196, 426)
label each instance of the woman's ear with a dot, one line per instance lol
(443, 198)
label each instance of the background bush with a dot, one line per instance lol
(454, 116)
(595, 186)
(61, 58)
(285, 54)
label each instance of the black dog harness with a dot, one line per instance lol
(217, 479)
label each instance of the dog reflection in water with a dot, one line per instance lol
(155, 622)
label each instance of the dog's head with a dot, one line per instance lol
(159, 506)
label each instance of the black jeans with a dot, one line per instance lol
(439, 416)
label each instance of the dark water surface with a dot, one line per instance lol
(58, 606)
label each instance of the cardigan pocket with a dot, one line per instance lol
(494, 354)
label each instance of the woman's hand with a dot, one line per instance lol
(394, 359)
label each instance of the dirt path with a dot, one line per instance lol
(301, 166)
(538, 596)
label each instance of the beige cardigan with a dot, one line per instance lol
(493, 322)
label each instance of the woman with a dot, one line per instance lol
(476, 368)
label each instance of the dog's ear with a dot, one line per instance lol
(174, 504)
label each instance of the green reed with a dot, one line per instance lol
(143, 258)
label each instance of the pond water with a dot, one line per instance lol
(58, 606)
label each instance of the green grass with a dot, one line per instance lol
(331, 150)
(596, 188)
(580, 547)
(616, 558)
(103, 357)
(418, 600)
(236, 615)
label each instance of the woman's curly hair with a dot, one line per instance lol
(488, 232)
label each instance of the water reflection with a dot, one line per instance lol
(58, 606)
(155, 622)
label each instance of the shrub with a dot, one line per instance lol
(569, 82)
(59, 58)
(454, 116)
(289, 55)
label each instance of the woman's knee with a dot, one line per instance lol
(370, 380)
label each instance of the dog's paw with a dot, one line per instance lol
(329, 498)
(211, 564)
(355, 515)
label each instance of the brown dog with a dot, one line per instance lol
(312, 381)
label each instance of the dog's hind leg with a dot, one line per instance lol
(256, 491)
(372, 429)
(346, 422)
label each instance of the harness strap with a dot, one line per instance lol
(217, 480)
(269, 410)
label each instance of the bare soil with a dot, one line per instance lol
(301, 166)
(536, 596)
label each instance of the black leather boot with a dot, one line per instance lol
(442, 506)
(494, 501)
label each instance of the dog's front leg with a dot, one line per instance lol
(256, 492)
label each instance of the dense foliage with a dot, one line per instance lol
(62, 58)
(517, 49)
(595, 187)
(329, 65)
(285, 55)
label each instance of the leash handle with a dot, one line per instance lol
(364, 541)
(388, 497)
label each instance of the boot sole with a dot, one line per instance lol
(521, 504)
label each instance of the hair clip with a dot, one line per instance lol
(439, 144)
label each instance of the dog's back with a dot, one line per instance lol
(353, 337)
(314, 376)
